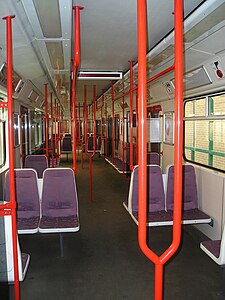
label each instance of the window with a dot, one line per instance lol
(16, 130)
(204, 131)
(35, 124)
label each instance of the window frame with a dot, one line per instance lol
(207, 117)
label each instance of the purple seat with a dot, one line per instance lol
(27, 197)
(156, 214)
(37, 162)
(59, 207)
(215, 249)
(191, 213)
(153, 158)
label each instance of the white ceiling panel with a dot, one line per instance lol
(108, 36)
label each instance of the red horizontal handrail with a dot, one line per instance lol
(167, 70)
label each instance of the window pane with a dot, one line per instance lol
(219, 135)
(200, 107)
(219, 162)
(202, 134)
(189, 133)
(217, 105)
(189, 109)
(201, 158)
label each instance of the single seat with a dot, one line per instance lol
(6, 263)
(66, 147)
(59, 207)
(191, 213)
(27, 198)
(215, 249)
(156, 214)
(37, 162)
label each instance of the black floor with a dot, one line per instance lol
(103, 260)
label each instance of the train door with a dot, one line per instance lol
(24, 129)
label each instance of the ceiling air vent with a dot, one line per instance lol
(195, 78)
(100, 75)
(166, 53)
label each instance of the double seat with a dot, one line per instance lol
(54, 209)
(160, 197)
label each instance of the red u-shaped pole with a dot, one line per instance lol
(142, 112)
(11, 153)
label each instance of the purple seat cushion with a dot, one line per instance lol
(37, 162)
(59, 222)
(28, 223)
(59, 196)
(155, 191)
(190, 198)
(213, 247)
(158, 216)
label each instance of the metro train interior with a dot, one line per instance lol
(112, 149)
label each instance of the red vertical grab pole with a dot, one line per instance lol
(11, 153)
(131, 118)
(75, 67)
(46, 119)
(52, 140)
(123, 143)
(142, 114)
(94, 136)
(113, 123)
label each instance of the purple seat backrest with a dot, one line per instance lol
(153, 158)
(190, 197)
(67, 144)
(59, 195)
(37, 162)
(156, 196)
(27, 196)
(90, 143)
